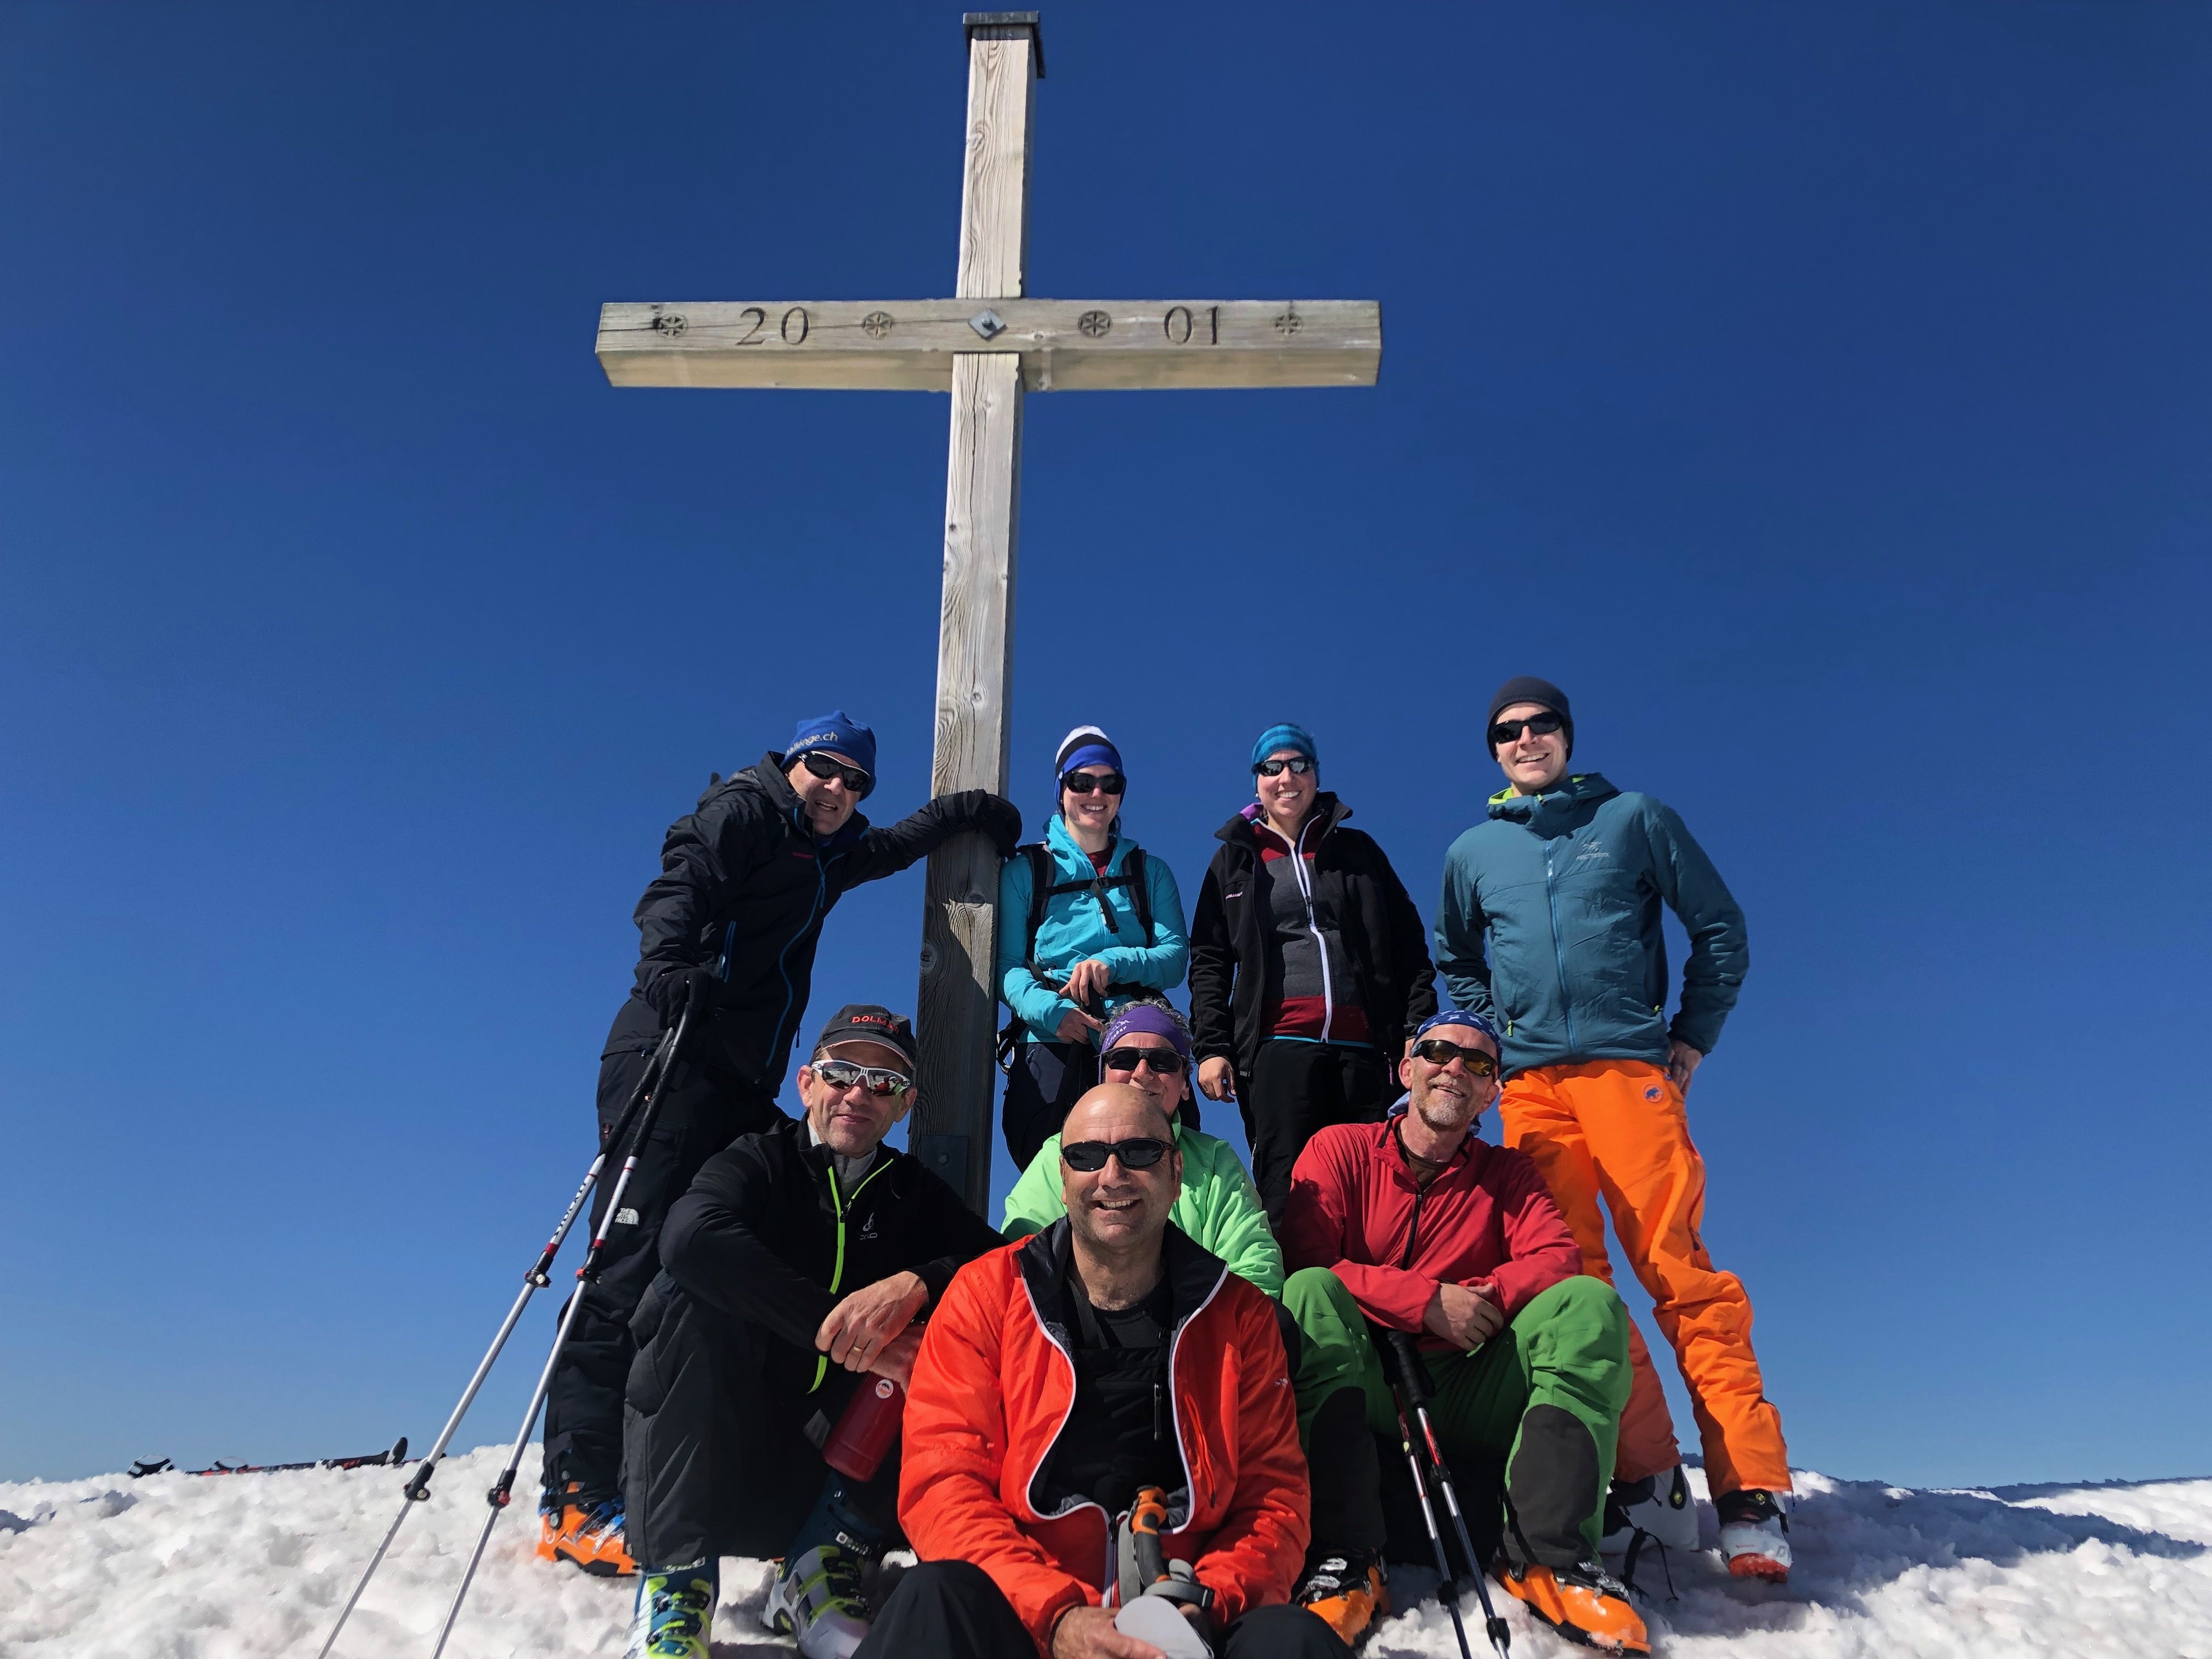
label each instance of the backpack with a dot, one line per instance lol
(1044, 889)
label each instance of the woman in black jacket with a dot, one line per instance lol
(1309, 964)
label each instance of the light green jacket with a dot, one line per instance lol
(1219, 1207)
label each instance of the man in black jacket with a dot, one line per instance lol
(728, 929)
(793, 1270)
(1309, 965)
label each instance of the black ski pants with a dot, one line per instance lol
(952, 1610)
(1297, 1088)
(720, 1457)
(1047, 1079)
(702, 1110)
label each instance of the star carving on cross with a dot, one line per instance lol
(876, 324)
(1289, 322)
(1094, 323)
(671, 324)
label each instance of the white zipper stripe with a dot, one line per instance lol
(1305, 888)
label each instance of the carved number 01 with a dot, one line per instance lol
(1179, 325)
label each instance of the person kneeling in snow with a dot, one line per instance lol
(1146, 1046)
(794, 1266)
(1414, 1225)
(1102, 1387)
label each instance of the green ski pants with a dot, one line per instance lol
(1547, 1392)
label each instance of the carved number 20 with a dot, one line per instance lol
(1179, 325)
(793, 328)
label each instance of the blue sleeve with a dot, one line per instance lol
(1036, 1006)
(1720, 943)
(1163, 963)
(1460, 928)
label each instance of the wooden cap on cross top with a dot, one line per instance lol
(996, 21)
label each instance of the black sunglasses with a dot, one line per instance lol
(1081, 783)
(1087, 1156)
(825, 769)
(1543, 725)
(1298, 767)
(1481, 1062)
(1166, 1061)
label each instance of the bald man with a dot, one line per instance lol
(1062, 1380)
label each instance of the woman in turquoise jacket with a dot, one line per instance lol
(1106, 925)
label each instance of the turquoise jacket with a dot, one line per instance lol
(1218, 1207)
(1567, 887)
(1074, 929)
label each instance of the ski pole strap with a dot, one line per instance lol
(1412, 1375)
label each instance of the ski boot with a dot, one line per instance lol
(1658, 1509)
(590, 1538)
(1344, 1588)
(556, 1513)
(820, 1598)
(1754, 1536)
(1584, 1603)
(675, 1612)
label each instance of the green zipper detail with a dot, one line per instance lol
(837, 1273)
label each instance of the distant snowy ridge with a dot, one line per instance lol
(254, 1566)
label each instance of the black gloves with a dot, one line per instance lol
(678, 988)
(998, 818)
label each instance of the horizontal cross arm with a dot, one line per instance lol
(1064, 345)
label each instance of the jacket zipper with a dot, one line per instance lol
(821, 886)
(837, 1271)
(1305, 890)
(1559, 951)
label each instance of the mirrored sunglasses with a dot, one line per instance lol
(1298, 766)
(1085, 1156)
(844, 1074)
(1480, 1062)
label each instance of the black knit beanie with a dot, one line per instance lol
(1527, 688)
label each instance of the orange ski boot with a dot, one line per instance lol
(592, 1539)
(1344, 1588)
(1584, 1603)
(555, 1516)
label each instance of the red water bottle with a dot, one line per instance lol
(865, 1429)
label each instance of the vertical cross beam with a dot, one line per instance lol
(956, 1015)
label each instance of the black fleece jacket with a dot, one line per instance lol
(760, 1235)
(744, 886)
(1382, 932)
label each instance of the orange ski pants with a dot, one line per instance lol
(1619, 1128)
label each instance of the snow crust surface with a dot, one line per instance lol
(244, 1567)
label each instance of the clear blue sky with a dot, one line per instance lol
(1820, 394)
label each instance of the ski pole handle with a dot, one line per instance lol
(1413, 1376)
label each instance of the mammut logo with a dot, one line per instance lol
(1651, 1093)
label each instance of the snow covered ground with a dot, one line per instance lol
(243, 1567)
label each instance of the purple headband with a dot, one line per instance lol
(1147, 1017)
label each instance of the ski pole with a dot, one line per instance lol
(1416, 1383)
(418, 1486)
(1429, 1514)
(503, 1488)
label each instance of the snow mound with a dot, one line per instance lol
(242, 1567)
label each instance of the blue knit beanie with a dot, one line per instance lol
(1086, 745)
(839, 731)
(1285, 736)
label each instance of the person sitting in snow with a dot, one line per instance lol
(794, 1267)
(1414, 1225)
(1146, 1045)
(1076, 1378)
(727, 931)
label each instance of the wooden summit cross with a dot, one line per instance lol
(985, 346)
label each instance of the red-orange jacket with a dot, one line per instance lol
(991, 1391)
(1487, 1218)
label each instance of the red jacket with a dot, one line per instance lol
(1486, 1220)
(993, 1388)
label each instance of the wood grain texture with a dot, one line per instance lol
(956, 1019)
(995, 192)
(1064, 345)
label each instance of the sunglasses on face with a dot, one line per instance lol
(1481, 1062)
(1166, 1061)
(1297, 767)
(1081, 783)
(844, 1074)
(1085, 1156)
(1543, 725)
(822, 767)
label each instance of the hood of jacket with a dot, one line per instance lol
(1243, 828)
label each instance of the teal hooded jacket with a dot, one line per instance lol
(1549, 924)
(1075, 927)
